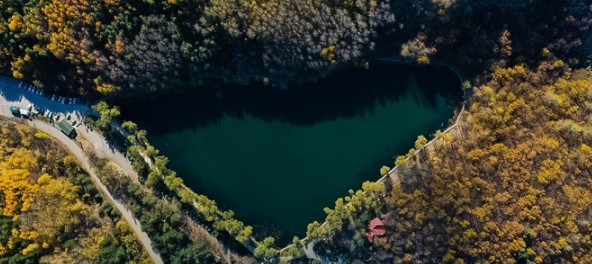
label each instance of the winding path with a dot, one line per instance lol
(84, 160)
(9, 92)
(9, 86)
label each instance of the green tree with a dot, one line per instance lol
(265, 249)
(198, 252)
(111, 251)
(106, 114)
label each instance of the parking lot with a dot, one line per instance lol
(31, 102)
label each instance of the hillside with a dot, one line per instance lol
(141, 47)
(511, 185)
(51, 211)
(514, 185)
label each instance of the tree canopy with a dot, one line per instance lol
(50, 209)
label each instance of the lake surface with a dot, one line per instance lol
(278, 157)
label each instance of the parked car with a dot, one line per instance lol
(14, 110)
(17, 111)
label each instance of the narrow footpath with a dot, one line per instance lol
(84, 160)
(9, 87)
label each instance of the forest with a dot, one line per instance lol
(120, 48)
(513, 184)
(51, 211)
(510, 184)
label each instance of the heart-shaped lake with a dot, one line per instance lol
(278, 157)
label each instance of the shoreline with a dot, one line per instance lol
(392, 172)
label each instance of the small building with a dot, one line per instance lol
(66, 128)
(376, 230)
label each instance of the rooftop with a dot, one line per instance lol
(65, 127)
(375, 228)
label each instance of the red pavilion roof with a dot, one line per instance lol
(376, 228)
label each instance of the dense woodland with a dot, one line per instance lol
(134, 47)
(510, 185)
(51, 211)
(513, 185)
(143, 46)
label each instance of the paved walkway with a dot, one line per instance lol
(11, 94)
(103, 149)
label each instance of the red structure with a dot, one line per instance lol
(376, 229)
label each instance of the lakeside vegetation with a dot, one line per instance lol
(512, 185)
(166, 185)
(171, 229)
(354, 210)
(51, 211)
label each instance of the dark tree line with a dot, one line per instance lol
(134, 47)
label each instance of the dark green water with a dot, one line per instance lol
(278, 157)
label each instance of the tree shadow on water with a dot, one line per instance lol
(345, 94)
